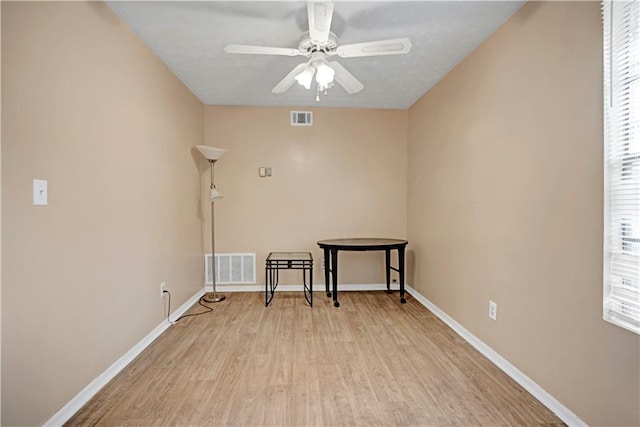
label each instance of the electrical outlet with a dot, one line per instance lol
(163, 287)
(322, 264)
(493, 310)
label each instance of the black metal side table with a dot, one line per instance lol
(277, 261)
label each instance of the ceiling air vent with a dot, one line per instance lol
(301, 118)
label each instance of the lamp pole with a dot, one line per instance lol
(212, 297)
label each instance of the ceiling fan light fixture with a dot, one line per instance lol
(306, 77)
(325, 75)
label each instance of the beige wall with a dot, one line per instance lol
(505, 203)
(89, 108)
(0, 216)
(343, 177)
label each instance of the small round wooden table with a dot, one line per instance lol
(331, 248)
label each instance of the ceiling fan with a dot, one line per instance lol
(318, 44)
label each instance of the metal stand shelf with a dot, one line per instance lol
(277, 261)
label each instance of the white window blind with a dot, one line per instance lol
(621, 27)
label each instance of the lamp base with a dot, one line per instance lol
(212, 297)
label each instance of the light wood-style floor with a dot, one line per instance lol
(372, 361)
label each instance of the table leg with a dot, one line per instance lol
(266, 285)
(387, 259)
(334, 276)
(306, 287)
(326, 271)
(311, 284)
(270, 273)
(401, 271)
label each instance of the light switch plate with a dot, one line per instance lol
(262, 172)
(39, 192)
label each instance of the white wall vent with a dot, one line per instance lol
(231, 269)
(301, 118)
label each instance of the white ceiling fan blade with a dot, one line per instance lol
(260, 50)
(346, 79)
(289, 79)
(380, 47)
(320, 14)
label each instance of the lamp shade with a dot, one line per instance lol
(305, 77)
(214, 195)
(211, 153)
(325, 75)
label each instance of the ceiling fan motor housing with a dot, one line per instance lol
(309, 46)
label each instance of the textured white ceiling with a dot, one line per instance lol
(189, 38)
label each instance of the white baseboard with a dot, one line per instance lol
(527, 383)
(74, 405)
(298, 288)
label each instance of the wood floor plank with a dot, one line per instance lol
(373, 361)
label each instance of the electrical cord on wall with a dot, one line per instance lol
(209, 310)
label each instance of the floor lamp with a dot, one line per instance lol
(212, 154)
